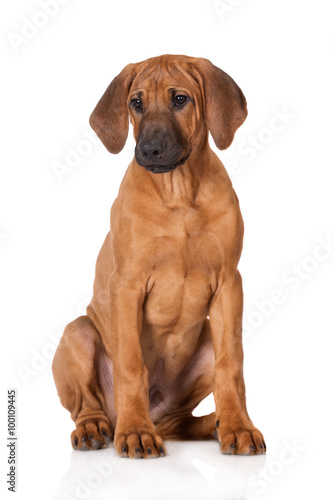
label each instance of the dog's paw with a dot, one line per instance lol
(91, 434)
(240, 440)
(140, 442)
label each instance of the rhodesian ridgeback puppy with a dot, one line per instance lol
(163, 329)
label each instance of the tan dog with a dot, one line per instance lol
(163, 329)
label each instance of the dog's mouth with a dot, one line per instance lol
(161, 169)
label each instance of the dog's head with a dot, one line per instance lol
(172, 101)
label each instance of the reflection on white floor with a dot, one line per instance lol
(192, 470)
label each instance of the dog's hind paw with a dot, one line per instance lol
(91, 434)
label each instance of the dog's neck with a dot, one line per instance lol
(181, 186)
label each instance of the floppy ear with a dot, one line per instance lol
(110, 117)
(225, 107)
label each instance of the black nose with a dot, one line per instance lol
(152, 150)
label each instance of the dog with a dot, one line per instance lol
(164, 327)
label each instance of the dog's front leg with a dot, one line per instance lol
(135, 434)
(235, 430)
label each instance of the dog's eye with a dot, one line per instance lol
(136, 103)
(180, 99)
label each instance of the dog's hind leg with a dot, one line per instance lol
(83, 377)
(186, 426)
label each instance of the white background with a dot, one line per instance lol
(51, 229)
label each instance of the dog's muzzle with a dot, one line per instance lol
(161, 169)
(159, 154)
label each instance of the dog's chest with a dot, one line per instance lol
(183, 278)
